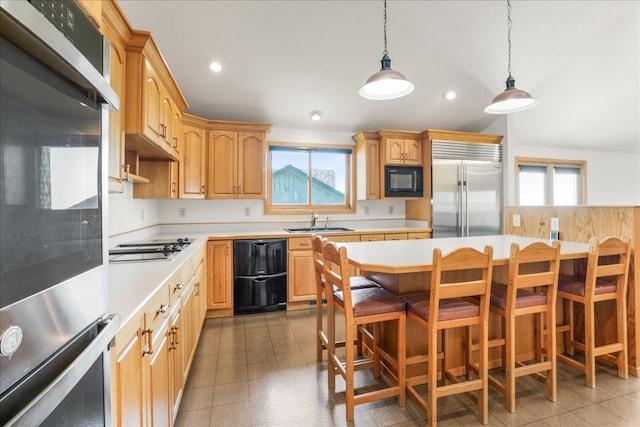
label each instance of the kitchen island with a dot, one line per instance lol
(404, 266)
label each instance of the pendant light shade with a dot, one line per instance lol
(512, 99)
(386, 83)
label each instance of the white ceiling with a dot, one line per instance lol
(283, 59)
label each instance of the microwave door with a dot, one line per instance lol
(446, 198)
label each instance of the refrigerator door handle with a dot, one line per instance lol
(465, 189)
(460, 224)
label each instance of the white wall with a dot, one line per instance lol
(613, 179)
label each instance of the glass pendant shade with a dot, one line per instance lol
(512, 100)
(386, 83)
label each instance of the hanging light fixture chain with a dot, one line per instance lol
(385, 28)
(509, 33)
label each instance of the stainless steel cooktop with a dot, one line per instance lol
(152, 250)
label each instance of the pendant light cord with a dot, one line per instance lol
(508, 33)
(385, 29)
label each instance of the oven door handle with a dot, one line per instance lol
(36, 411)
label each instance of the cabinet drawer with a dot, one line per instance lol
(419, 235)
(372, 237)
(296, 243)
(395, 236)
(348, 238)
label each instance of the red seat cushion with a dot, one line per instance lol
(369, 301)
(450, 309)
(576, 285)
(524, 298)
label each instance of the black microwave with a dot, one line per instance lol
(403, 181)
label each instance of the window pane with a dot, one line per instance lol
(565, 186)
(289, 177)
(531, 187)
(328, 178)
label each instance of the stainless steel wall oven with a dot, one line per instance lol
(54, 329)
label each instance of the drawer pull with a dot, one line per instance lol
(162, 309)
(178, 286)
(149, 348)
(305, 243)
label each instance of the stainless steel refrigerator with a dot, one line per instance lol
(466, 192)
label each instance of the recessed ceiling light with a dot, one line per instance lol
(450, 95)
(315, 115)
(214, 65)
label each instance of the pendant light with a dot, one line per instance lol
(386, 83)
(512, 99)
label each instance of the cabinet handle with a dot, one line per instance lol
(202, 190)
(178, 286)
(175, 142)
(126, 168)
(149, 348)
(239, 189)
(162, 309)
(305, 243)
(197, 285)
(173, 187)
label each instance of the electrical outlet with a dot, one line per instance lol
(555, 224)
(182, 212)
(366, 210)
(516, 220)
(390, 209)
(247, 211)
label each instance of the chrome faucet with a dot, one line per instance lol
(328, 223)
(314, 217)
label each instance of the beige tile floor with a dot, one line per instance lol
(261, 370)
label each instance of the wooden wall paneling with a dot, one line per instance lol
(579, 223)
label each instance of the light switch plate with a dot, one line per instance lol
(516, 220)
(555, 224)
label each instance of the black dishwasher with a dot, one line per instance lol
(260, 275)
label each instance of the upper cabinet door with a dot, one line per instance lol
(251, 165)
(192, 181)
(152, 105)
(394, 151)
(222, 160)
(412, 152)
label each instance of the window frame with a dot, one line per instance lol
(549, 165)
(350, 184)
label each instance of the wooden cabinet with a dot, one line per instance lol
(424, 235)
(154, 102)
(301, 284)
(236, 160)
(127, 387)
(193, 158)
(368, 165)
(117, 32)
(401, 147)
(163, 180)
(153, 351)
(220, 276)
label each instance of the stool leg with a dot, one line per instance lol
(402, 361)
(589, 344)
(432, 366)
(569, 344)
(551, 343)
(319, 343)
(623, 357)
(350, 372)
(331, 344)
(510, 364)
(483, 370)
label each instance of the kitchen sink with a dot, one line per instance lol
(317, 229)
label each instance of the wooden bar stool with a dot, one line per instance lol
(363, 307)
(532, 289)
(357, 282)
(450, 304)
(606, 279)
